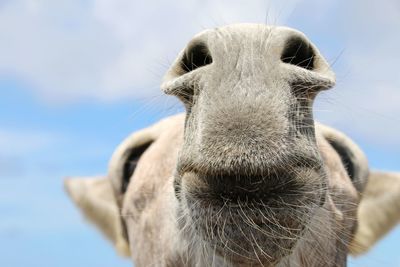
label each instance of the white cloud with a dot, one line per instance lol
(109, 50)
(22, 151)
(59, 48)
(366, 101)
(22, 143)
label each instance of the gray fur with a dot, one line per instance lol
(245, 177)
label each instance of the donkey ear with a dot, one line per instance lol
(378, 212)
(95, 198)
(127, 155)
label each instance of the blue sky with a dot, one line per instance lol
(76, 77)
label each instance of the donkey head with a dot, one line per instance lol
(246, 177)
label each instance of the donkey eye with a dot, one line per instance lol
(196, 56)
(298, 52)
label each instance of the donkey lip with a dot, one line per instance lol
(279, 193)
(240, 187)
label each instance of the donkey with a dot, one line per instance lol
(245, 177)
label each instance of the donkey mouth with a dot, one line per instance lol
(264, 201)
(233, 212)
(269, 189)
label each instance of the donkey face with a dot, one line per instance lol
(245, 178)
(249, 172)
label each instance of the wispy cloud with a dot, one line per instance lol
(20, 142)
(18, 147)
(366, 100)
(110, 50)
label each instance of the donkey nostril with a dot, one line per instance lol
(298, 52)
(197, 55)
